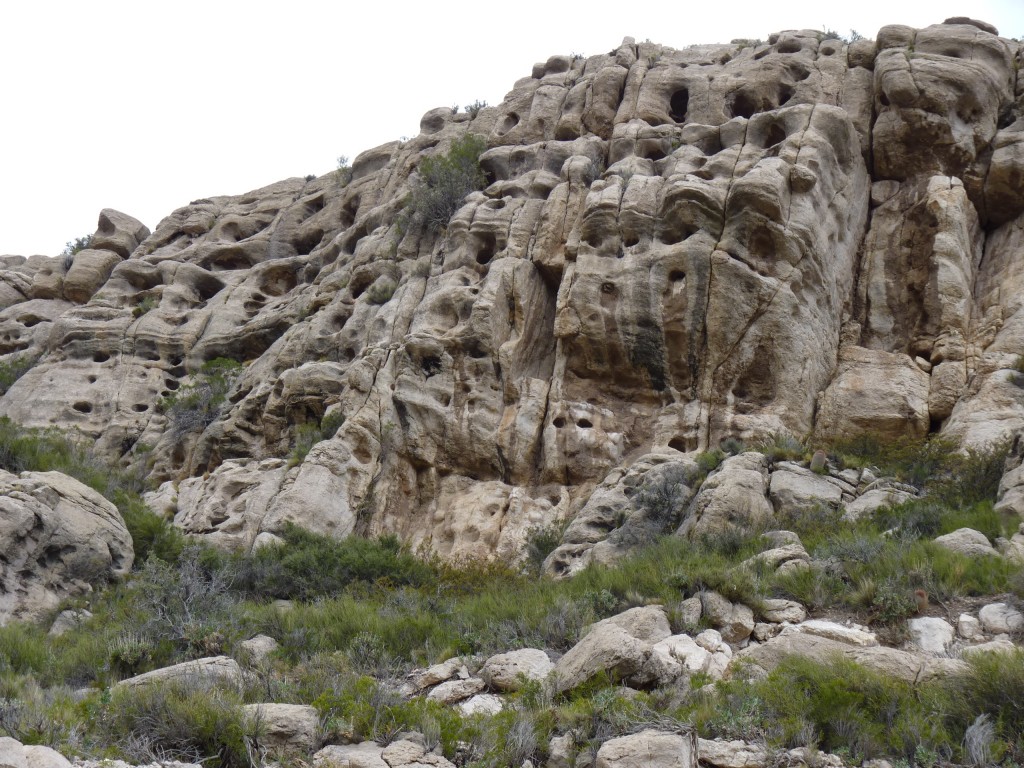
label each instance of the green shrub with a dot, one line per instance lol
(445, 180)
(76, 245)
(197, 405)
(307, 565)
(381, 292)
(541, 541)
(309, 434)
(184, 722)
(13, 369)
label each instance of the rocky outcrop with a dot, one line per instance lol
(60, 538)
(672, 248)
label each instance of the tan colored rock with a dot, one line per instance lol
(777, 610)
(366, 754)
(508, 671)
(731, 754)
(734, 620)
(292, 727)
(68, 620)
(39, 756)
(214, 670)
(481, 704)
(874, 392)
(903, 665)
(1000, 618)
(734, 496)
(931, 634)
(619, 646)
(259, 648)
(839, 632)
(795, 489)
(60, 538)
(966, 541)
(873, 500)
(452, 691)
(648, 749)
(12, 754)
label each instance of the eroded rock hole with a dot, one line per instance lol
(100, 357)
(743, 104)
(678, 104)
(584, 424)
(676, 275)
(83, 407)
(140, 407)
(171, 384)
(630, 240)
(558, 423)
(486, 250)
(678, 444)
(785, 94)
(508, 122)
(177, 371)
(431, 366)
(776, 135)
(91, 379)
(305, 244)
(883, 100)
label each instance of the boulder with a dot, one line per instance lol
(834, 631)
(968, 627)
(68, 620)
(258, 649)
(606, 648)
(366, 754)
(61, 537)
(796, 489)
(967, 541)
(733, 497)
(481, 704)
(12, 754)
(39, 756)
(1000, 618)
(903, 665)
(731, 754)
(508, 671)
(292, 727)
(873, 500)
(649, 749)
(777, 611)
(931, 634)
(452, 691)
(734, 620)
(211, 671)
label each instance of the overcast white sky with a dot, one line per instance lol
(144, 106)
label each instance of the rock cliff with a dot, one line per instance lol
(674, 247)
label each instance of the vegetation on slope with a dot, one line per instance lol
(364, 612)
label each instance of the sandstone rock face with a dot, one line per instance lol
(674, 247)
(60, 536)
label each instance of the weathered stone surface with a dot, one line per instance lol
(834, 631)
(733, 497)
(890, 661)
(12, 754)
(969, 627)
(673, 248)
(482, 704)
(68, 620)
(795, 489)
(60, 537)
(734, 620)
(873, 500)
(1000, 618)
(931, 634)
(452, 691)
(648, 749)
(293, 727)
(366, 754)
(214, 670)
(508, 671)
(258, 649)
(731, 754)
(777, 610)
(39, 756)
(967, 541)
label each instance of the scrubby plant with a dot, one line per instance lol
(443, 182)
(309, 434)
(198, 404)
(381, 291)
(13, 369)
(474, 109)
(75, 246)
(180, 721)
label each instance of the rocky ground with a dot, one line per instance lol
(717, 364)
